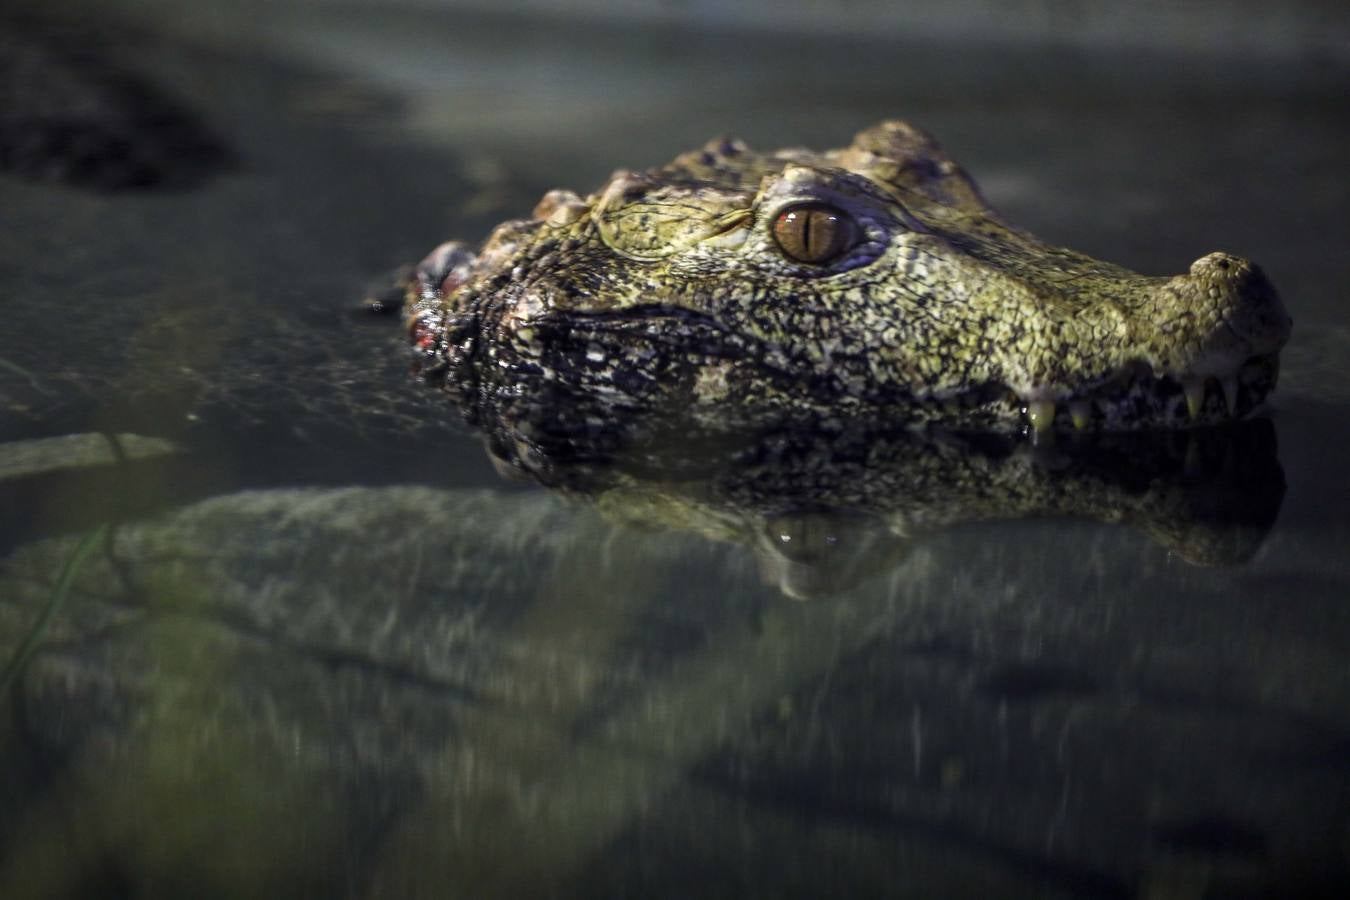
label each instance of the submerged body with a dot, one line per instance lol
(869, 281)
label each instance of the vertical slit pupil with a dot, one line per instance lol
(813, 233)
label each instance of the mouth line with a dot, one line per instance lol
(637, 316)
(1133, 398)
(1136, 398)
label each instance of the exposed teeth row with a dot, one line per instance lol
(1041, 413)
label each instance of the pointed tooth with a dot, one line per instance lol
(1195, 395)
(1042, 415)
(1081, 413)
(1194, 464)
(1228, 384)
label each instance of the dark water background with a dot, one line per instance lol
(313, 645)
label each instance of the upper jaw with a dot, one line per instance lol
(1199, 348)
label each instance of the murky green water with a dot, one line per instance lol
(274, 626)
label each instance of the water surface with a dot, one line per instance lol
(275, 626)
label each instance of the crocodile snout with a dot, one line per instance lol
(1250, 316)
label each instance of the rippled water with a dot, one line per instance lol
(272, 624)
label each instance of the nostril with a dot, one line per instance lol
(1221, 267)
(1232, 278)
(1235, 294)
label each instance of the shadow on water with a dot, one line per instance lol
(73, 118)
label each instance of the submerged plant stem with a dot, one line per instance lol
(23, 373)
(54, 602)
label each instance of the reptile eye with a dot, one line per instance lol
(814, 233)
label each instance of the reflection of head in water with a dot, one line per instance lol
(825, 509)
(817, 553)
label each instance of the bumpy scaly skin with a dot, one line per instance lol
(667, 290)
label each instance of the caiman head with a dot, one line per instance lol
(869, 281)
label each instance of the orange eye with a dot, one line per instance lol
(814, 233)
